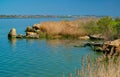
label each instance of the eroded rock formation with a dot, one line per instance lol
(12, 33)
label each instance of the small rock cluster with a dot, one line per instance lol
(13, 34)
(31, 32)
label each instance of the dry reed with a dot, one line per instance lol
(107, 68)
(66, 28)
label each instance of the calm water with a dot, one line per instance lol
(37, 58)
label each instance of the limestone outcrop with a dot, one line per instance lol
(32, 35)
(109, 48)
(84, 37)
(12, 33)
(97, 36)
(112, 47)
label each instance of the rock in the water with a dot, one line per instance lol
(29, 29)
(20, 36)
(37, 31)
(36, 26)
(96, 37)
(84, 38)
(32, 35)
(12, 33)
(98, 48)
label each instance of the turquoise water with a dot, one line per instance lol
(37, 58)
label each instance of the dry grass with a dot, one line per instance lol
(107, 68)
(66, 28)
(51, 27)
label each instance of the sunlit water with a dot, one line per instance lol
(37, 58)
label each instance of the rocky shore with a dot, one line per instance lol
(108, 48)
(36, 33)
(31, 33)
(71, 30)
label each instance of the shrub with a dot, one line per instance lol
(109, 27)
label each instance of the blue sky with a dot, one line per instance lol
(60, 7)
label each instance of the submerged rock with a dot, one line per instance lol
(12, 33)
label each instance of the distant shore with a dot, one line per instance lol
(46, 16)
(35, 16)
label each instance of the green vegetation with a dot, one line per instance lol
(106, 26)
(90, 27)
(42, 35)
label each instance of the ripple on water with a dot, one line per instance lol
(36, 58)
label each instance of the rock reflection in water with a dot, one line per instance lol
(67, 43)
(12, 41)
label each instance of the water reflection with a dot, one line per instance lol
(35, 57)
(66, 48)
(44, 55)
(30, 41)
(12, 41)
(52, 43)
(67, 43)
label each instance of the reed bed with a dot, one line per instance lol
(66, 28)
(94, 68)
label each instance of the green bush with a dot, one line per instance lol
(108, 27)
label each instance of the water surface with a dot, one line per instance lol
(37, 58)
